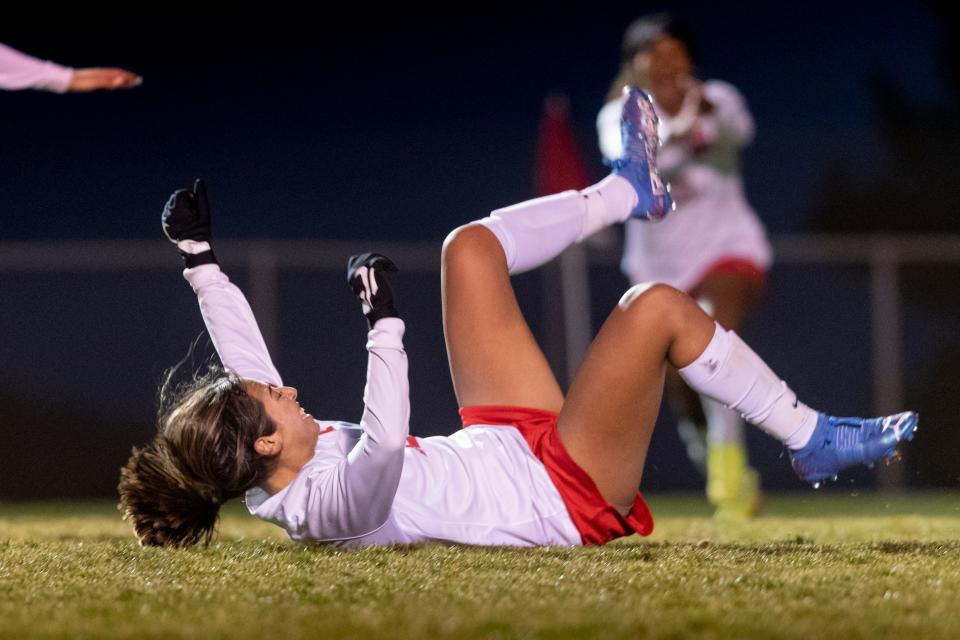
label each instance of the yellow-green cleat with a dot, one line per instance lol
(733, 487)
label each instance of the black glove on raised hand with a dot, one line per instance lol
(186, 222)
(367, 276)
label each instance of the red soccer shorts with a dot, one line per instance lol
(596, 519)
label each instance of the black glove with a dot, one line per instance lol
(186, 216)
(367, 276)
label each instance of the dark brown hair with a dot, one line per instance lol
(203, 454)
(639, 37)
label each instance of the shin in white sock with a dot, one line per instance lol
(536, 231)
(609, 201)
(731, 373)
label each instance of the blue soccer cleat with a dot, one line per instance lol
(638, 164)
(839, 443)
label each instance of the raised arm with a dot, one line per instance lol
(226, 312)
(371, 473)
(231, 325)
(372, 470)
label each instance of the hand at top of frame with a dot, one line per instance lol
(368, 277)
(186, 222)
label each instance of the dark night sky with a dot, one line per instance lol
(405, 125)
(395, 127)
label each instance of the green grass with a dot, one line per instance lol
(816, 565)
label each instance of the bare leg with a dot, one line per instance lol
(494, 358)
(608, 418)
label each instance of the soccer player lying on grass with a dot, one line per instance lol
(532, 467)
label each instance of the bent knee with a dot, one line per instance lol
(648, 294)
(469, 242)
(658, 300)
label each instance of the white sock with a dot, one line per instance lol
(730, 372)
(611, 200)
(535, 232)
(724, 425)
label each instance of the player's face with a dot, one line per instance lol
(668, 68)
(296, 429)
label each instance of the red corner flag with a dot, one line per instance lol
(559, 165)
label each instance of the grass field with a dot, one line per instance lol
(816, 565)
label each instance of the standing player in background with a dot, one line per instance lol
(20, 71)
(714, 247)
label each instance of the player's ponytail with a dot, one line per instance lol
(202, 456)
(164, 507)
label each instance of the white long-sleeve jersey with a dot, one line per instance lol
(713, 221)
(372, 483)
(20, 71)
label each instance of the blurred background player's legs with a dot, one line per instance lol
(733, 487)
(714, 436)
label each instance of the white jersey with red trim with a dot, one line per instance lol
(373, 483)
(20, 71)
(713, 221)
